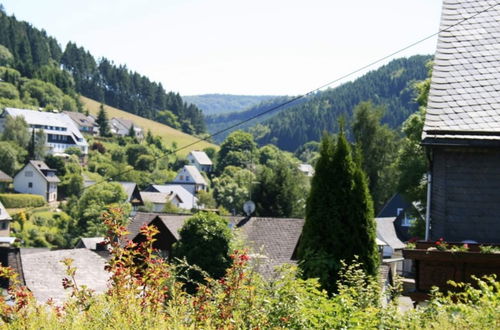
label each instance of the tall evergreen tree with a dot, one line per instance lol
(339, 216)
(131, 131)
(102, 122)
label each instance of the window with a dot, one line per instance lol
(30, 184)
(187, 177)
(3, 226)
(399, 211)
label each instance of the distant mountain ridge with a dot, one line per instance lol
(216, 104)
(290, 127)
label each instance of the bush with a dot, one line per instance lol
(15, 201)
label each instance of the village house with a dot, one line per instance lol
(85, 123)
(187, 200)
(200, 160)
(462, 126)
(59, 128)
(159, 199)
(130, 188)
(191, 179)
(272, 241)
(121, 127)
(5, 181)
(38, 179)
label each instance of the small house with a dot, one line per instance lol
(121, 127)
(191, 179)
(403, 214)
(187, 200)
(85, 123)
(200, 160)
(38, 179)
(307, 169)
(159, 199)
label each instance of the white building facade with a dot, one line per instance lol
(38, 179)
(60, 129)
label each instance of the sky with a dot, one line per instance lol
(257, 47)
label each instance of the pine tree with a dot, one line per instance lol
(102, 122)
(339, 216)
(131, 131)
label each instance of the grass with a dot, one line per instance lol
(168, 134)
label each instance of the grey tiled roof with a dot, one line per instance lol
(464, 98)
(41, 166)
(43, 272)
(272, 240)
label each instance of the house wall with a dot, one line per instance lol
(465, 202)
(23, 178)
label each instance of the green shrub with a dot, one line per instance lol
(14, 201)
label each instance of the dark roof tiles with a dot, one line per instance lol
(465, 84)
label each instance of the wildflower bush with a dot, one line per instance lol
(144, 294)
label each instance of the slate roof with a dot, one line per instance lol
(42, 168)
(201, 157)
(464, 98)
(81, 119)
(43, 272)
(4, 177)
(387, 232)
(272, 239)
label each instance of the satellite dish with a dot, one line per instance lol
(249, 207)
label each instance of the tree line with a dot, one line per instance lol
(37, 55)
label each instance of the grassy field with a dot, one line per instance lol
(168, 134)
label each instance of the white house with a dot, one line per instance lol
(187, 199)
(191, 179)
(121, 127)
(159, 199)
(38, 179)
(200, 160)
(60, 129)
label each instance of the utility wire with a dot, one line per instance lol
(296, 98)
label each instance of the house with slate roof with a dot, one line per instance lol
(462, 124)
(191, 179)
(121, 127)
(272, 240)
(38, 179)
(85, 123)
(200, 160)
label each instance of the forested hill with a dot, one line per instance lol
(37, 55)
(390, 85)
(216, 123)
(216, 104)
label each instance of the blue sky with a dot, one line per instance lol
(253, 47)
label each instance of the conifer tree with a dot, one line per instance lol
(102, 122)
(131, 131)
(339, 216)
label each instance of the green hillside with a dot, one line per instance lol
(168, 134)
(290, 127)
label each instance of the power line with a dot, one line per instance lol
(296, 98)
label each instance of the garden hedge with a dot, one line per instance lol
(14, 201)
